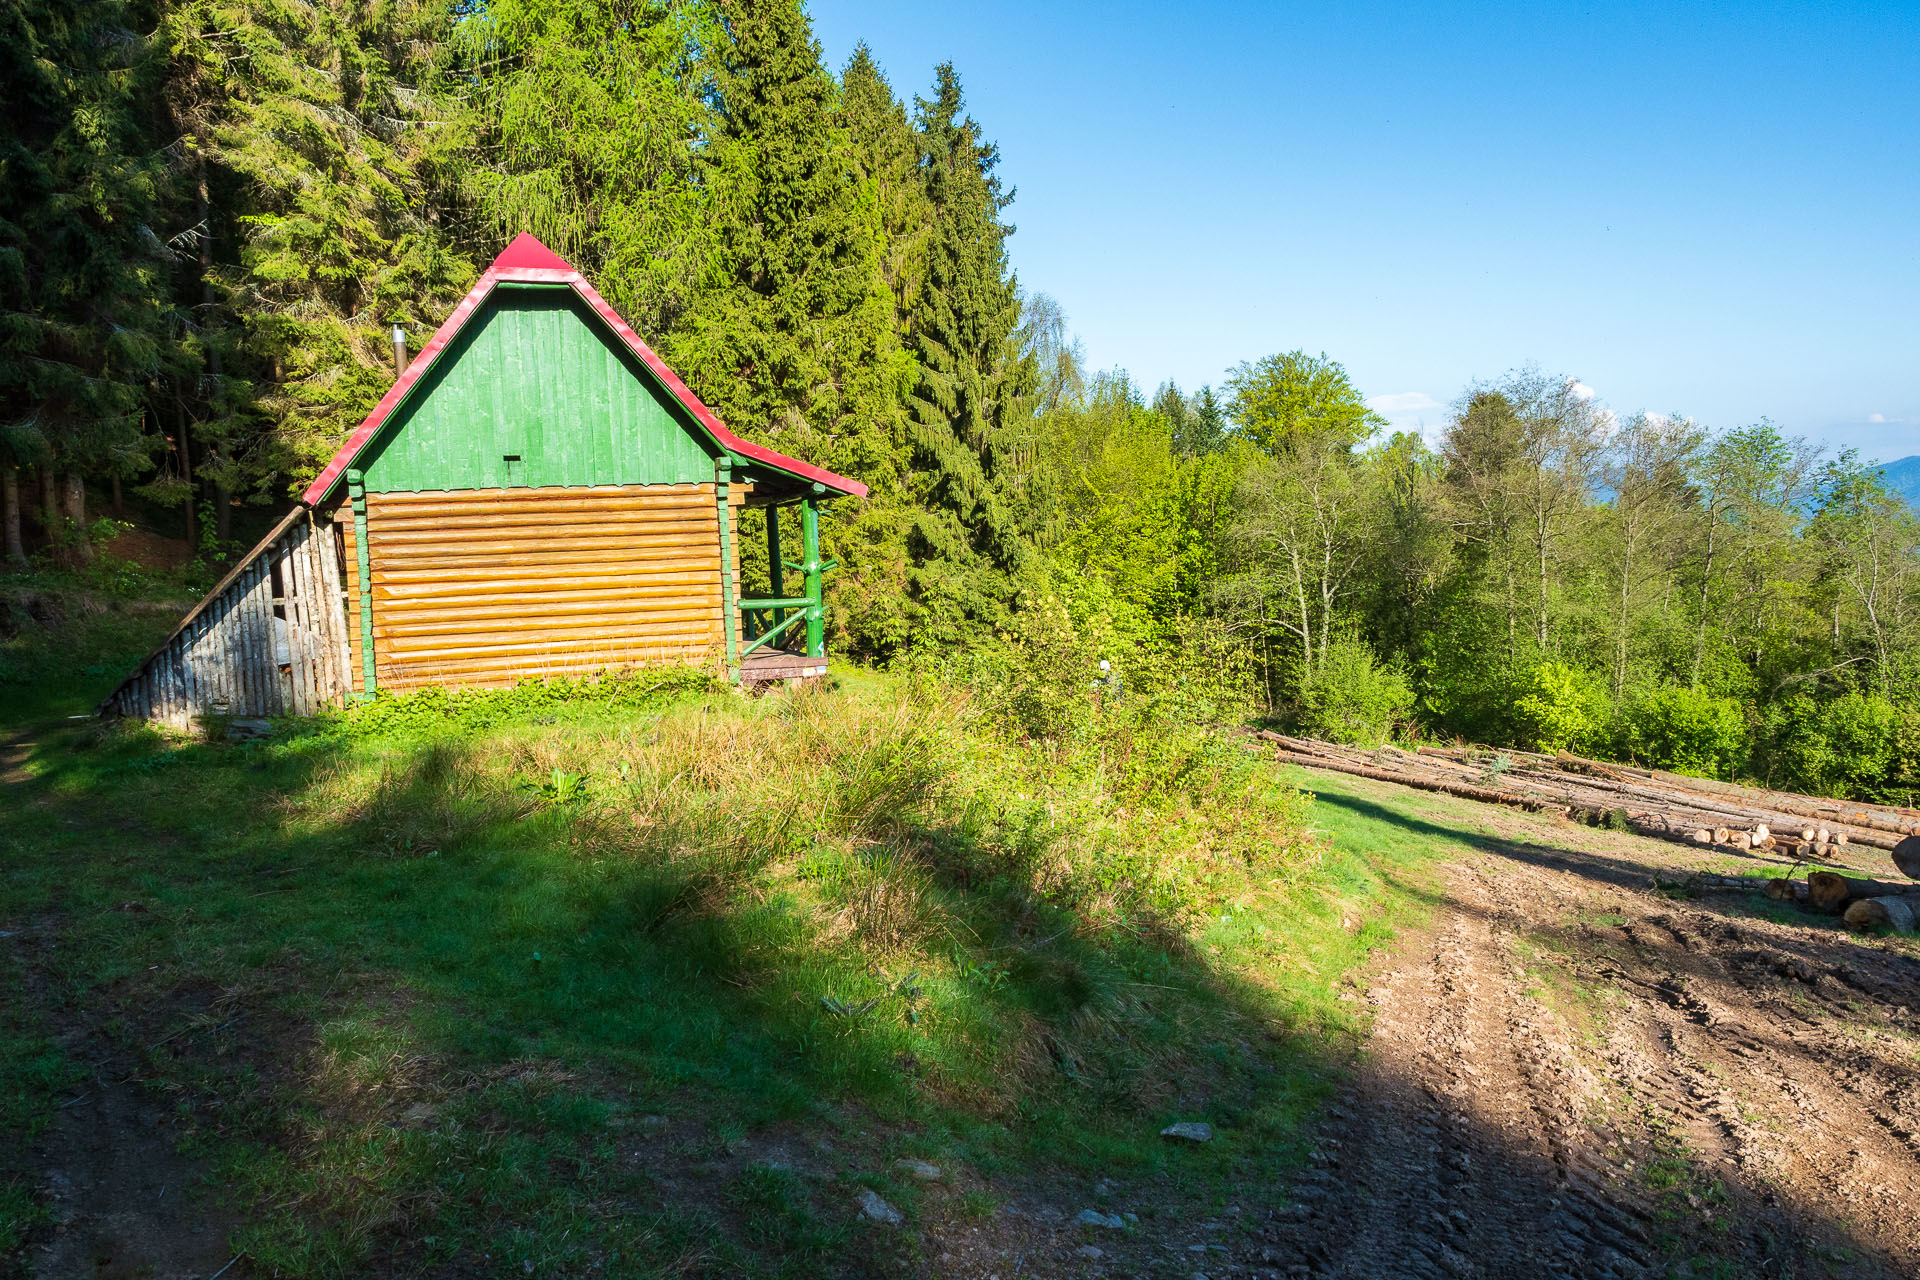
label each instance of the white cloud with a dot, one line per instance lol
(1876, 417)
(1402, 402)
(1580, 390)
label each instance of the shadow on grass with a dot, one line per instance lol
(430, 1018)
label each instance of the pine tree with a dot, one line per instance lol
(584, 122)
(82, 271)
(315, 155)
(959, 324)
(796, 344)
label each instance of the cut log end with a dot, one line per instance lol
(1880, 913)
(1827, 891)
(1785, 890)
(1906, 856)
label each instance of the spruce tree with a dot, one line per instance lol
(314, 153)
(886, 153)
(959, 325)
(82, 270)
(795, 344)
(585, 122)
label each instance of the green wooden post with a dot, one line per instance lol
(357, 493)
(775, 570)
(816, 608)
(729, 615)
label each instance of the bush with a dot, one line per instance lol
(433, 707)
(1686, 730)
(1353, 697)
(1846, 746)
(1558, 707)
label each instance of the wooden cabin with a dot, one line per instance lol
(538, 495)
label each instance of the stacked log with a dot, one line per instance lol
(1906, 856)
(1651, 802)
(1886, 912)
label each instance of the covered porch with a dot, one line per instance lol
(779, 637)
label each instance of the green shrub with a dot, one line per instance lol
(434, 707)
(1846, 746)
(1558, 707)
(1686, 730)
(1353, 697)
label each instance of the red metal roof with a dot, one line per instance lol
(527, 261)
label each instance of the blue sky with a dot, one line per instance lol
(1711, 210)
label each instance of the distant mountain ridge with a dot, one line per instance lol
(1903, 477)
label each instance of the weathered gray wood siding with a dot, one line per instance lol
(271, 639)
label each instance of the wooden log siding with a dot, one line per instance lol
(270, 640)
(487, 587)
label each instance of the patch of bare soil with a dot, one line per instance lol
(1578, 1071)
(124, 1201)
(13, 758)
(1737, 1108)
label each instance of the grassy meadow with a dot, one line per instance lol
(562, 980)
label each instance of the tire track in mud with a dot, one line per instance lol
(1725, 1113)
(1471, 1152)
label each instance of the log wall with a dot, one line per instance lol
(488, 587)
(268, 640)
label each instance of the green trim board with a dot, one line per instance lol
(362, 563)
(535, 392)
(729, 617)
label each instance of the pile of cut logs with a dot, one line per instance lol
(1653, 802)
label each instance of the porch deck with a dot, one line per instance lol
(765, 666)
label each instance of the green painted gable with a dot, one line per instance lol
(537, 377)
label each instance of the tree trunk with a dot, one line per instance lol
(1906, 856)
(50, 510)
(1706, 590)
(222, 513)
(16, 550)
(184, 447)
(74, 498)
(223, 498)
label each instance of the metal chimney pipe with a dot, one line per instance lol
(399, 351)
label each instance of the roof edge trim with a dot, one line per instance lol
(506, 269)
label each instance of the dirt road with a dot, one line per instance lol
(1582, 1068)
(1576, 1073)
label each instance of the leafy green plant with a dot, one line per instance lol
(1687, 730)
(1351, 696)
(558, 787)
(1558, 707)
(388, 715)
(984, 974)
(1845, 746)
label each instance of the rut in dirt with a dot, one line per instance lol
(1748, 1105)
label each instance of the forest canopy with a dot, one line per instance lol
(212, 213)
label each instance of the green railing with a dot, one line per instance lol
(766, 620)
